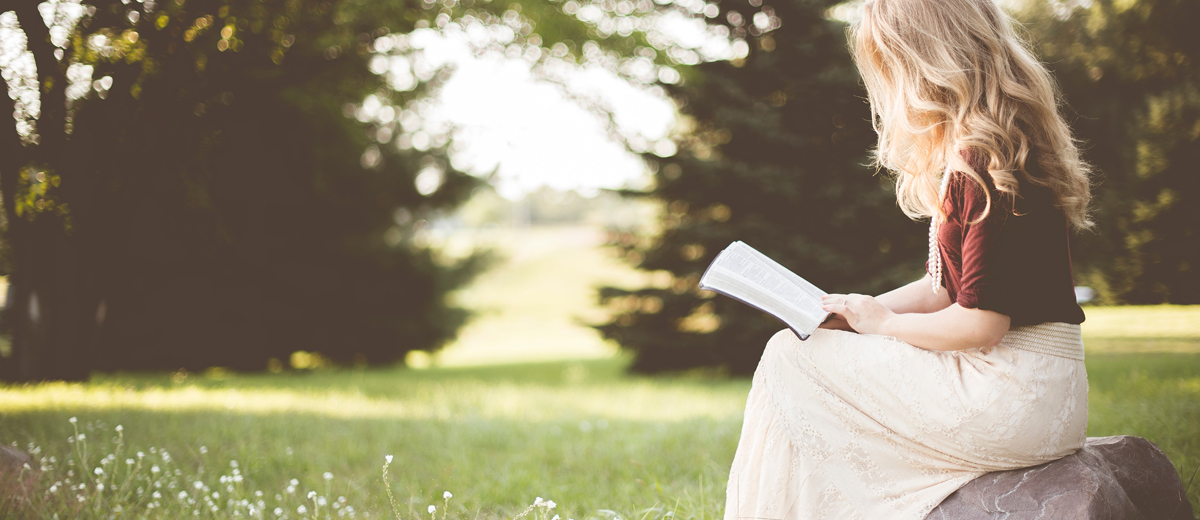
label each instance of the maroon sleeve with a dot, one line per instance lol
(980, 285)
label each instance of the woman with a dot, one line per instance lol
(978, 367)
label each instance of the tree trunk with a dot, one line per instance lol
(12, 156)
(48, 316)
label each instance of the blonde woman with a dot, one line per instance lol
(977, 367)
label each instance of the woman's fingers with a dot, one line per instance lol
(842, 299)
(834, 299)
(842, 309)
(846, 307)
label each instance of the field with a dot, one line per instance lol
(566, 425)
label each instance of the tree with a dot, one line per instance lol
(1129, 73)
(215, 183)
(774, 154)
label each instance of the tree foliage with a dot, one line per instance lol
(774, 155)
(1130, 72)
(221, 183)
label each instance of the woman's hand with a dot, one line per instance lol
(863, 313)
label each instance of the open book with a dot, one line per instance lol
(742, 273)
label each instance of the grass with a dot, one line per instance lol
(1144, 377)
(581, 432)
(546, 285)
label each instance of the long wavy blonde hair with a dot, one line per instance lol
(950, 80)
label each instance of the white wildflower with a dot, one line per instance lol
(388, 458)
(72, 420)
(129, 462)
(100, 487)
(537, 501)
(328, 476)
(279, 511)
(99, 471)
(312, 495)
(182, 495)
(549, 504)
(432, 509)
(197, 484)
(154, 469)
(203, 449)
(301, 509)
(447, 495)
(294, 482)
(120, 428)
(321, 501)
(156, 494)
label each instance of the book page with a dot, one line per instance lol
(743, 273)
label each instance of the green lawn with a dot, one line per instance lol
(580, 432)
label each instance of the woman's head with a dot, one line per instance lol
(951, 76)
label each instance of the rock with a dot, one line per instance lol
(15, 480)
(1111, 478)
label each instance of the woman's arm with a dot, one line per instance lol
(951, 328)
(917, 296)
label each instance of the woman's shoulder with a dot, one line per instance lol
(973, 194)
(966, 198)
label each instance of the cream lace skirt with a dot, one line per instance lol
(848, 426)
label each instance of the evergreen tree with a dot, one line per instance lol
(776, 157)
(1130, 72)
(221, 183)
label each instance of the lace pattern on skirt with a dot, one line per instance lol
(850, 426)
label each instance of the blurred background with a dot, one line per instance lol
(272, 185)
(280, 240)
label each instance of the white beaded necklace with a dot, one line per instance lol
(935, 256)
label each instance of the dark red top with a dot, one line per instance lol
(1017, 265)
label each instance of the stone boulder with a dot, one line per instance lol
(1111, 478)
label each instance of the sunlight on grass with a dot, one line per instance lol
(581, 432)
(536, 305)
(639, 400)
(1151, 328)
(600, 442)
